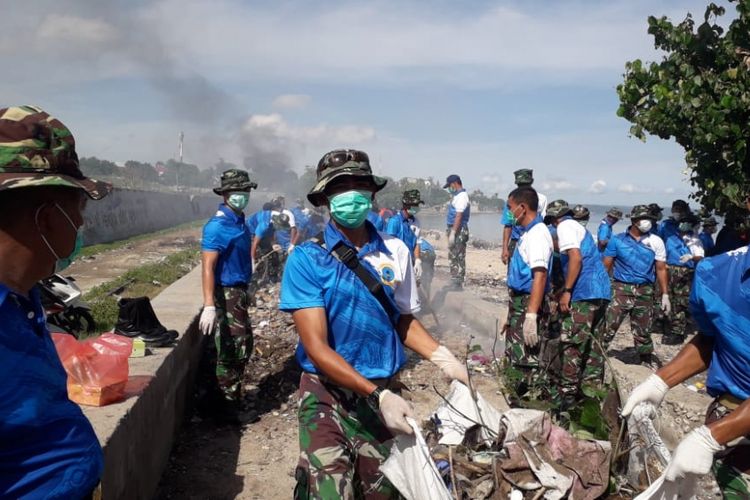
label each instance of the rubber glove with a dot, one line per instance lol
(207, 321)
(530, 336)
(684, 259)
(418, 268)
(652, 390)
(666, 304)
(289, 250)
(451, 239)
(694, 454)
(450, 365)
(276, 247)
(393, 411)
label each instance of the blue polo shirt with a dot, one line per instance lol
(507, 221)
(604, 233)
(400, 227)
(667, 228)
(720, 305)
(376, 220)
(527, 257)
(707, 241)
(227, 234)
(676, 248)
(48, 448)
(593, 281)
(359, 329)
(451, 215)
(302, 222)
(426, 248)
(635, 263)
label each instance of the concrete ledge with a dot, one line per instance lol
(137, 434)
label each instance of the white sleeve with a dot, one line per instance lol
(657, 245)
(539, 248)
(569, 235)
(291, 218)
(696, 247)
(542, 206)
(461, 201)
(406, 293)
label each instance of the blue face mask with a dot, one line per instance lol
(63, 262)
(238, 201)
(350, 209)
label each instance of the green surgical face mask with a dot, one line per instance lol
(514, 220)
(412, 211)
(238, 201)
(350, 209)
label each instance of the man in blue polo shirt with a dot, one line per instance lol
(406, 226)
(511, 232)
(720, 305)
(351, 343)
(583, 304)
(670, 225)
(639, 259)
(227, 269)
(457, 221)
(48, 448)
(604, 232)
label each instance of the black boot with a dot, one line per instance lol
(137, 319)
(650, 360)
(673, 339)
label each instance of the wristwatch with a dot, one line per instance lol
(373, 399)
(567, 290)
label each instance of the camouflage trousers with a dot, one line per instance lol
(658, 319)
(581, 356)
(732, 466)
(635, 302)
(233, 340)
(528, 360)
(680, 281)
(457, 256)
(342, 445)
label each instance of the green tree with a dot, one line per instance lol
(698, 95)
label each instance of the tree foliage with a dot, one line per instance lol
(698, 95)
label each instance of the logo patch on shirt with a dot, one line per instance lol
(387, 275)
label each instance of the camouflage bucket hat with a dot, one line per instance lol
(342, 163)
(524, 176)
(710, 221)
(38, 150)
(412, 197)
(235, 179)
(558, 208)
(581, 213)
(642, 212)
(616, 212)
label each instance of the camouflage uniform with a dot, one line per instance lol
(233, 340)
(635, 302)
(680, 281)
(732, 466)
(457, 255)
(342, 444)
(519, 355)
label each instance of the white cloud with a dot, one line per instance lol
(557, 185)
(669, 190)
(64, 29)
(632, 188)
(598, 186)
(291, 101)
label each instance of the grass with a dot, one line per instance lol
(147, 280)
(103, 247)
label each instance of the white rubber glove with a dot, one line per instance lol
(254, 266)
(394, 410)
(652, 390)
(684, 259)
(666, 304)
(694, 454)
(276, 247)
(207, 321)
(530, 335)
(451, 239)
(289, 250)
(418, 268)
(450, 365)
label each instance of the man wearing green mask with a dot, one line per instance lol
(457, 220)
(406, 226)
(352, 336)
(48, 447)
(227, 269)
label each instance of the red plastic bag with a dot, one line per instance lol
(97, 367)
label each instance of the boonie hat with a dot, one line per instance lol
(642, 212)
(616, 212)
(235, 179)
(581, 213)
(558, 208)
(342, 163)
(412, 197)
(710, 221)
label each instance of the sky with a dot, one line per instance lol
(477, 88)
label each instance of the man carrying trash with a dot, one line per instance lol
(511, 233)
(406, 227)
(352, 296)
(227, 269)
(639, 259)
(48, 448)
(583, 304)
(604, 233)
(527, 286)
(457, 220)
(719, 305)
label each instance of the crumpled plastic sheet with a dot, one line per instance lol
(650, 451)
(661, 489)
(453, 424)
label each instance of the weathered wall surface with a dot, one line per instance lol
(126, 213)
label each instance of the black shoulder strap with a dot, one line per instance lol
(348, 257)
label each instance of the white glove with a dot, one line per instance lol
(666, 305)
(254, 266)
(418, 268)
(694, 454)
(451, 239)
(394, 410)
(684, 259)
(276, 247)
(652, 390)
(289, 250)
(450, 365)
(530, 336)
(207, 322)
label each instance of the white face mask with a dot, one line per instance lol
(644, 225)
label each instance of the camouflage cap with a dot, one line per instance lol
(38, 150)
(342, 163)
(710, 221)
(524, 176)
(235, 179)
(581, 213)
(558, 208)
(615, 212)
(412, 197)
(642, 212)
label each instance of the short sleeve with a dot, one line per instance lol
(542, 206)
(461, 201)
(697, 305)
(505, 220)
(603, 234)
(657, 245)
(539, 250)
(300, 287)
(212, 240)
(406, 294)
(292, 220)
(611, 250)
(568, 235)
(696, 247)
(392, 227)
